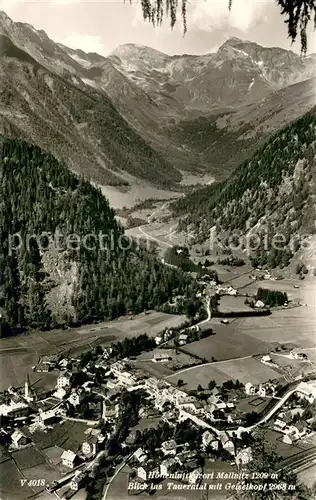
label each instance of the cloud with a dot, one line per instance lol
(87, 43)
(9, 6)
(65, 2)
(214, 14)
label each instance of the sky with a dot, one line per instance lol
(102, 25)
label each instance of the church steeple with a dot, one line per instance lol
(27, 389)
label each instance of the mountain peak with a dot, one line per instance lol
(4, 16)
(134, 49)
(234, 42)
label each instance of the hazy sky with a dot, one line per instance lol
(102, 25)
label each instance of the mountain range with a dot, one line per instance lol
(141, 115)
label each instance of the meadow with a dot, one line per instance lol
(245, 370)
(227, 343)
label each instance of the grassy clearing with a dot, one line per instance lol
(307, 476)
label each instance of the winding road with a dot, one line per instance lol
(270, 414)
(114, 476)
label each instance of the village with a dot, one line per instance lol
(129, 416)
(191, 427)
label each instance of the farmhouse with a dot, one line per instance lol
(92, 445)
(161, 357)
(259, 304)
(76, 397)
(126, 378)
(43, 368)
(183, 338)
(63, 380)
(159, 339)
(63, 363)
(169, 447)
(227, 443)
(296, 354)
(307, 390)
(266, 389)
(51, 360)
(60, 393)
(110, 411)
(279, 425)
(244, 456)
(19, 439)
(194, 407)
(140, 455)
(46, 417)
(69, 459)
(266, 359)
(207, 438)
(77, 481)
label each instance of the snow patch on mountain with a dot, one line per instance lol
(82, 62)
(91, 83)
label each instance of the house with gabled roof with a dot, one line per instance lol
(169, 447)
(69, 459)
(19, 439)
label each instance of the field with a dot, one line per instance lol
(245, 370)
(27, 458)
(285, 450)
(252, 403)
(178, 359)
(154, 369)
(11, 482)
(230, 303)
(296, 325)
(66, 435)
(18, 354)
(307, 476)
(227, 343)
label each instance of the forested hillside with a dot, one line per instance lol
(50, 273)
(272, 193)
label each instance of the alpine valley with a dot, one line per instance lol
(141, 117)
(74, 125)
